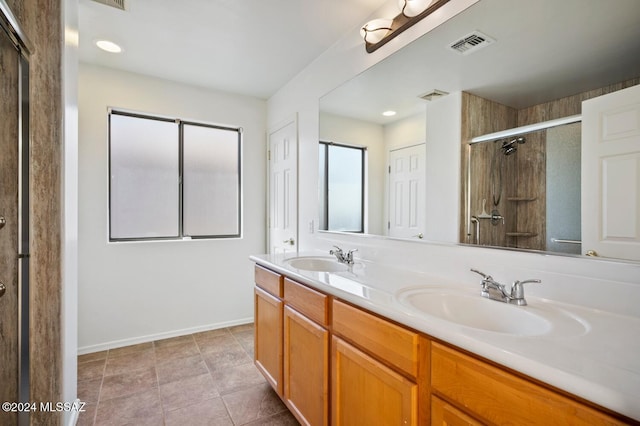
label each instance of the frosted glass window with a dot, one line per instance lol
(171, 179)
(211, 181)
(343, 188)
(144, 168)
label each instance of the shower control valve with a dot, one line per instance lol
(496, 217)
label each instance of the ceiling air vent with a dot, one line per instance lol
(433, 94)
(471, 42)
(118, 4)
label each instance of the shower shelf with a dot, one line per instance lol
(522, 198)
(521, 234)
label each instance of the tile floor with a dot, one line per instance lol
(205, 378)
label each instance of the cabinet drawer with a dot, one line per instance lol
(443, 414)
(311, 303)
(499, 397)
(394, 344)
(269, 281)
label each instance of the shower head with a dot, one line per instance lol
(509, 146)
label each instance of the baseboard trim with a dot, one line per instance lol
(166, 335)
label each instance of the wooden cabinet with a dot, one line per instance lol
(378, 387)
(392, 343)
(366, 392)
(496, 396)
(306, 354)
(268, 320)
(334, 363)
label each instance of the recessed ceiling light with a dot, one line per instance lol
(389, 113)
(108, 46)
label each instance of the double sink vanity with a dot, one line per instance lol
(346, 341)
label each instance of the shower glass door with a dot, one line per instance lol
(14, 208)
(9, 304)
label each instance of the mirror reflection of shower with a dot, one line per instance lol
(524, 188)
(506, 147)
(511, 146)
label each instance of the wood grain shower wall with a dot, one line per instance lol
(481, 116)
(42, 23)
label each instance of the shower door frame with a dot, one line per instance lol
(10, 26)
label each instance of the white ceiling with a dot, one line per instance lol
(543, 50)
(250, 47)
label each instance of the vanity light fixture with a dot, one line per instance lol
(411, 8)
(378, 32)
(108, 46)
(374, 31)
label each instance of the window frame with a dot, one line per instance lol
(180, 202)
(325, 195)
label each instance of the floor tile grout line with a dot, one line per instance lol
(104, 370)
(155, 367)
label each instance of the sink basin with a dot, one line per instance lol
(469, 309)
(317, 264)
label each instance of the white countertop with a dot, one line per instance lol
(599, 360)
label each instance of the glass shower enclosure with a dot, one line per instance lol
(14, 219)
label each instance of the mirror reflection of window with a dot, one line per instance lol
(341, 187)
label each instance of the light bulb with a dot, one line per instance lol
(374, 31)
(411, 8)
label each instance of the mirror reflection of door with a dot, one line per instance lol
(407, 204)
(611, 175)
(283, 189)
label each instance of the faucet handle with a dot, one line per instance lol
(482, 274)
(337, 250)
(517, 289)
(350, 255)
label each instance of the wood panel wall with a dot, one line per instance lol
(481, 116)
(42, 23)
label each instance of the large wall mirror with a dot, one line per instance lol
(416, 112)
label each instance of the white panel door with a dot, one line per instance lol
(283, 189)
(407, 192)
(611, 174)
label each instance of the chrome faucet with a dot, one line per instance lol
(342, 256)
(493, 290)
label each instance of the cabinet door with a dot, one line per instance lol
(443, 414)
(268, 337)
(306, 368)
(365, 392)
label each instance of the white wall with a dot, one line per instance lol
(133, 292)
(444, 124)
(405, 132)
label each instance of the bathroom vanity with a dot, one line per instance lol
(366, 344)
